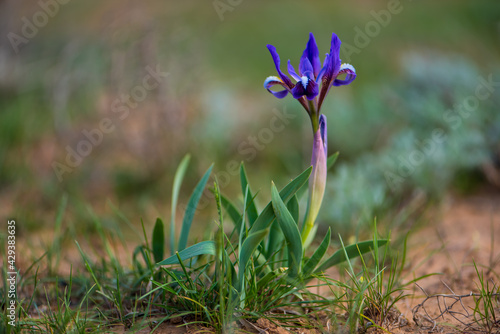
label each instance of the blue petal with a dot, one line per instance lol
(331, 65)
(330, 68)
(305, 66)
(272, 81)
(335, 49)
(312, 90)
(320, 75)
(276, 58)
(311, 52)
(307, 87)
(322, 128)
(350, 73)
(292, 72)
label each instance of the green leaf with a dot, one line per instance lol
(267, 215)
(290, 232)
(293, 207)
(179, 176)
(191, 208)
(352, 252)
(251, 208)
(158, 240)
(247, 249)
(264, 281)
(230, 271)
(231, 209)
(331, 160)
(242, 229)
(317, 256)
(274, 243)
(201, 248)
(276, 238)
(139, 250)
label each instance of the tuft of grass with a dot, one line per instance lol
(373, 288)
(486, 304)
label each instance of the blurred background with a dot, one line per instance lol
(147, 82)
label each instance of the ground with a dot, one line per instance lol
(460, 231)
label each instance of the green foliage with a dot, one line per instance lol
(247, 250)
(179, 176)
(291, 233)
(486, 308)
(251, 209)
(373, 287)
(243, 274)
(191, 208)
(350, 252)
(277, 267)
(158, 241)
(202, 248)
(313, 262)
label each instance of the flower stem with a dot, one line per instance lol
(314, 115)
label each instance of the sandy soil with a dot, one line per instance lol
(466, 230)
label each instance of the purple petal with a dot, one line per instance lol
(311, 52)
(299, 90)
(350, 73)
(322, 128)
(330, 68)
(272, 81)
(305, 67)
(320, 75)
(335, 49)
(312, 90)
(292, 72)
(276, 58)
(307, 87)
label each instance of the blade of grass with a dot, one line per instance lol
(179, 176)
(158, 241)
(267, 215)
(352, 251)
(201, 248)
(89, 268)
(290, 232)
(250, 204)
(222, 259)
(231, 209)
(331, 160)
(317, 256)
(274, 243)
(293, 207)
(242, 228)
(191, 208)
(248, 248)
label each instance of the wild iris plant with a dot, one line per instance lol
(262, 264)
(306, 90)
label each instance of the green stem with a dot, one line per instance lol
(314, 116)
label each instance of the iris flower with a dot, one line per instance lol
(311, 76)
(312, 84)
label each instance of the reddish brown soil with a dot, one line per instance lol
(464, 231)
